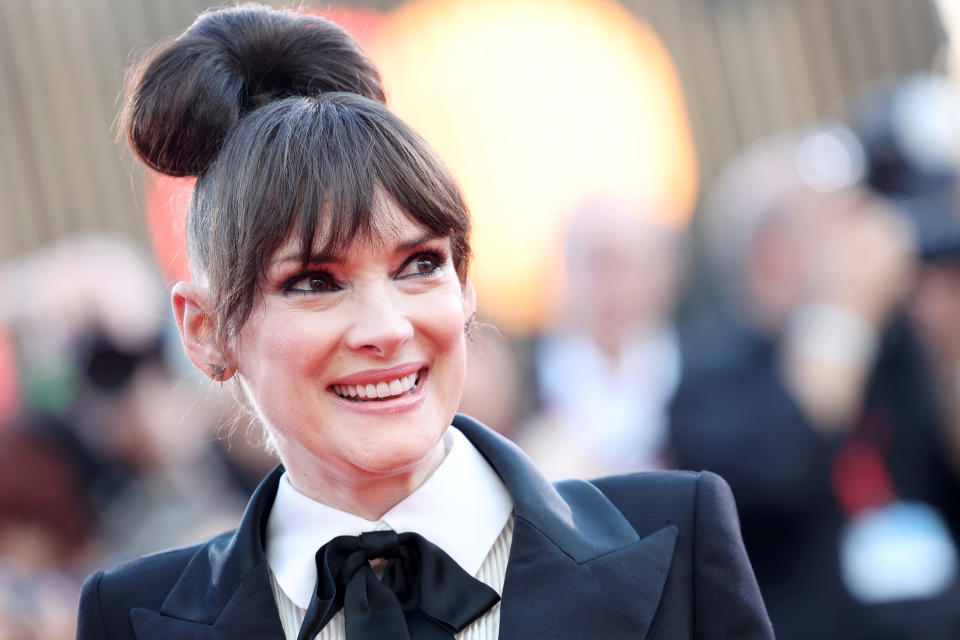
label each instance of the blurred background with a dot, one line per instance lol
(709, 234)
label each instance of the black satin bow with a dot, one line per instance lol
(423, 593)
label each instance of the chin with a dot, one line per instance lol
(392, 456)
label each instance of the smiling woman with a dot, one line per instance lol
(329, 257)
(356, 362)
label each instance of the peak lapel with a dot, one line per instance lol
(250, 614)
(224, 591)
(577, 568)
(548, 594)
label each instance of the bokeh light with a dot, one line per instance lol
(537, 105)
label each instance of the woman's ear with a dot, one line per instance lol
(192, 309)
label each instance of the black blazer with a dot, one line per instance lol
(649, 555)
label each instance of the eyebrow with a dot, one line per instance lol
(328, 257)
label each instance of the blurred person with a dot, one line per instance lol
(615, 338)
(47, 536)
(98, 383)
(46, 519)
(814, 400)
(911, 130)
(329, 257)
(935, 311)
(50, 329)
(36, 605)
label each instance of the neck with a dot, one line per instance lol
(370, 495)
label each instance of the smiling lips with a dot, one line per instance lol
(380, 391)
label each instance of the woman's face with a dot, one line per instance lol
(356, 364)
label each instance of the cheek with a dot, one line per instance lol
(445, 318)
(441, 324)
(279, 357)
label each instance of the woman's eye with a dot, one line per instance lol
(425, 265)
(422, 264)
(313, 283)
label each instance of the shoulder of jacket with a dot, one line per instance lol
(654, 499)
(160, 568)
(651, 481)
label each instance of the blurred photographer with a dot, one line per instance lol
(911, 131)
(815, 400)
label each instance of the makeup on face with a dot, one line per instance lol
(356, 362)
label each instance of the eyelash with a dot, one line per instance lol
(436, 257)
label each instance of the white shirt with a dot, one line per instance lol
(611, 419)
(463, 508)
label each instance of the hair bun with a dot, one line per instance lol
(185, 95)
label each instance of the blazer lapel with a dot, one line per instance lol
(224, 591)
(577, 568)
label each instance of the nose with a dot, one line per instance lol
(379, 326)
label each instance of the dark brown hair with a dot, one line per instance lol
(280, 116)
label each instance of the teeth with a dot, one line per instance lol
(388, 389)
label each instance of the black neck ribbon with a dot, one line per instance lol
(423, 594)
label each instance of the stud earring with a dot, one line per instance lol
(217, 371)
(468, 326)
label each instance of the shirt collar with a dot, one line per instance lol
(462, 508)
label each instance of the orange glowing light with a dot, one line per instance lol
(537, 105)
(167, 200)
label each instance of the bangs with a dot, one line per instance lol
(353, 154)
(313, 169)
